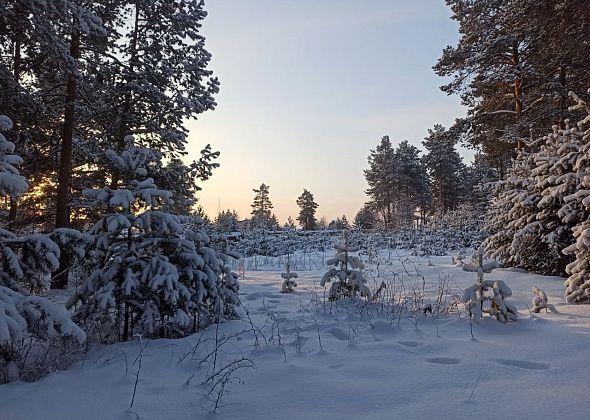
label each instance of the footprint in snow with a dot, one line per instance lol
(253, 296)
(444, 360)
(523, 364)
(339, 333)
(337, 366)
(410, 343)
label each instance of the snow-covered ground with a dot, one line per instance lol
(298, 356)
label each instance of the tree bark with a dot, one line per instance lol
(563, 96)
(62, 212)
(16, 71)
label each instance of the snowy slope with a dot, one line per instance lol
(369, 367)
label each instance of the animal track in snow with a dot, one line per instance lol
(410, 343)
(444, 360)
(523, 364)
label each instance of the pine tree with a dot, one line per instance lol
(513, 66)
(365, 218)
(381, 180)
(25, 261)
(412, 192)
(152, 275)
(398, 184)
(514, 204)
(227, 221)
(444, 166)
(577, 209)
(340, 223)
(308, 207)
(261, 208)
(346, 279)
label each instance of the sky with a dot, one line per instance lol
(308, 88)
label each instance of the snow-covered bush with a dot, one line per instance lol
(540, 301)
(155, 273)
(346, 280)
(26, 320)
(489, 297)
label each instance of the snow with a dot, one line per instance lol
(365, 367)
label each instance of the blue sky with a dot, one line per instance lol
(308, 87)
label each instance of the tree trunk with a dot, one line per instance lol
(62, 212)
(563, 96)
(16, 71)
(517, 91)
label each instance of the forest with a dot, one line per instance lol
(108, 261)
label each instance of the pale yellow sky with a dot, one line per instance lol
(301, 104)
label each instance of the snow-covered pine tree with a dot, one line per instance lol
(514, 205)
(26, 262)
(577, 209)
(366, 218)
(289, 284)
(489, 296)
(555, 179)
(537, 228)
(346, 279)
(153, 275)
(227, 221)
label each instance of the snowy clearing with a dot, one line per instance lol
(365, 367)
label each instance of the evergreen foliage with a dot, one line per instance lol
(308, 208)
(346, 279)
(25, 264)
(154, 275)
(398, 184)
(262, 218)
(444, 167)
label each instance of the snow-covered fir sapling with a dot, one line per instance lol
(25, 262)
(489, 296)
(540, 301)
(153, 274)
(346, 280)
(289, 284)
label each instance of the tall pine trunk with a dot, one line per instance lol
(62, 211)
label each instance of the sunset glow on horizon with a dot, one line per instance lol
(308, 88)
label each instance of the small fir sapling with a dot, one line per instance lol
(540, 301)
(347, 280)
(489, 296)
(25, 262)
(289, 284)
